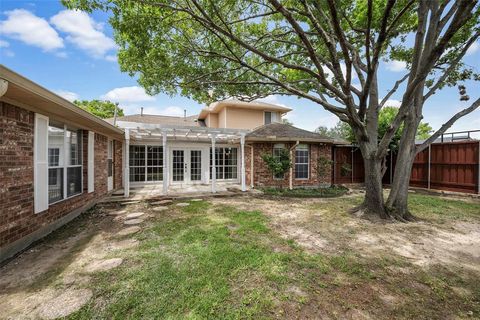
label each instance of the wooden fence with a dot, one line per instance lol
(453, 166)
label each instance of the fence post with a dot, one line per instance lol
(429, 161)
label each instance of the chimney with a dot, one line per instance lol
(184, 114)
(141, 111)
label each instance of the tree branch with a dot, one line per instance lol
(447, 125)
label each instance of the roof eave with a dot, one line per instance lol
(26, 84)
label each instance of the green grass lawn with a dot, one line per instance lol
(205, 261)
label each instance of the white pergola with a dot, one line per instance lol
(153, 132)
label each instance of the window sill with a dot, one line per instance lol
(68, 198)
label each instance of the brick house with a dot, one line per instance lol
(56, 160)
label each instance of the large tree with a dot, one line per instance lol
(101, 108)
(213, 49)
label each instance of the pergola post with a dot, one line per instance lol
(214, 167)
(242, 162)
(165, 163)
(126, 170)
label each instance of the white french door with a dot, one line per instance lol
(186, 164)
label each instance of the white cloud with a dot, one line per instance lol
(272, 99)
(84, 32)
(392, 103)
(127, 95)
(396, 66)
(111, 58)
(4, 44)
(169, 111)
(473, 48)
(69, 95)
(30, 29)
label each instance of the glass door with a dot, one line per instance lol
(195, 165)
(178, 165)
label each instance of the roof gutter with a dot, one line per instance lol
(28, 85)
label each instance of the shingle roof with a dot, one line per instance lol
(286, 132)
(190, 121)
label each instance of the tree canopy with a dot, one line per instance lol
(327, 52)
(343, 131)
(101, 108)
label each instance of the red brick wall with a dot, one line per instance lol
(263, 177)
(117, 165)
(17, 217)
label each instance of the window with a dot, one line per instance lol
(64, 162)
(301, 162)
(154, 163)
(226, 160)
(146, 163)
(110, 158)
(277, 149)
(268, 117)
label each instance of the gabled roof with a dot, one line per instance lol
(285, 132)
(190, 121)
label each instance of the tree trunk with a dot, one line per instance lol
(397, 202)
(373, 204)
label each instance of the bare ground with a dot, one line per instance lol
(313, 225)
(54, 277)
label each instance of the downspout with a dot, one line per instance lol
(290, 180)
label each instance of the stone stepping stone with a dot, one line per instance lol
(129, 230)
(68, 302)
(116, 213)
(103, 265)
(123, 244)
(134, 215)
(160, 209)
(133, 221)
(161, 203)
(182, 204)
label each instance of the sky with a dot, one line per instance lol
(73, 54)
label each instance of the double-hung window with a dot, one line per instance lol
(64, 162)
(301, 161)
(277, 151)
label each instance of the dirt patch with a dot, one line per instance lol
(313, 225)
(49, 281)
(67, 302)
(103, 265)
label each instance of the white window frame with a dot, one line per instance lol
(278, 146)
(146, 166)
(66, 163)
(265, 117)
(307, 148)
(237, 165)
